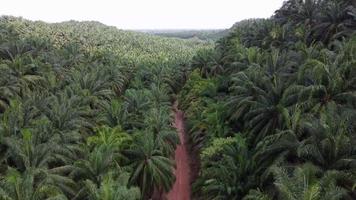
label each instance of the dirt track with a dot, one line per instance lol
(181, 188)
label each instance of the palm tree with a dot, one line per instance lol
(111, 189)
(19, 186)
(114, 138)
(325, 20)
(40, 154)
(211, 123)
(228, 172)
(70, 54)
(284, 144)
(260, 102)
(201, 60)
(114, 113)
(159, 95)
(302, 183)
(298, 12)
(257, 195)
(136, 101)
(68, 112)
(96, 164)
(24, 73)
(12, 47)
(8, 88)
(151, 169)
(335, 22)
(93, 85)
(158, 122)
(208, 62)
(325, 84)
(119, 77)
(19, 115)
(330, 144)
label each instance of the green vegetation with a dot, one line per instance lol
(85, 110)
(272, 109)
(205, 35)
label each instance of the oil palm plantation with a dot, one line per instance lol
(152, 170)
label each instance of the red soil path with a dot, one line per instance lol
(181, 188)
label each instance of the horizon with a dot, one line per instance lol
(141, 30)
(144, 15)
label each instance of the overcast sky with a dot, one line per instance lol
(144, 14)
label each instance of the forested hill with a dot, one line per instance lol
(97, 37)
(85, 110)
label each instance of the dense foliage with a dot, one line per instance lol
(206, 35)
(85, 110)
(272, 110)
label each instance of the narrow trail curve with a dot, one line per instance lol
(181, 188)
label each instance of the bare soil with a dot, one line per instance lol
(181, 188)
